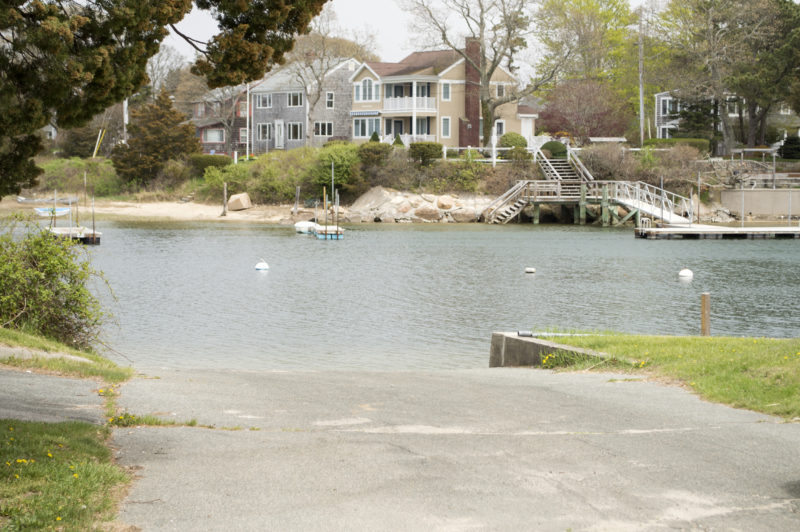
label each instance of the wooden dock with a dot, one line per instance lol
(713, 232)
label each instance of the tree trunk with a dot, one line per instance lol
(752, 123)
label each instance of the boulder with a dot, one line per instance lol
(464, 216)
(445, 202)
(430, 198)
(239, 202)
(428, 212)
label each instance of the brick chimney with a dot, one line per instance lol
(469, 129)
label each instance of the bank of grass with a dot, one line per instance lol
(760, 374)
(57, 476)
(92, 365)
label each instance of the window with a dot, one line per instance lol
(501, 91)
(329, 100)
(264, 131)
(500, 127)
(357, 93)
(241, 109)
(785, 109)
(423, 125)
(364, 127)
(199, 110)
(243, 135)
(294, 130)
(264, 101)
(446, 92)
(367, 91)
(295, 99)
(323, 129)
(732, 107)
(214, 108)
(214, 135)
(446, 127)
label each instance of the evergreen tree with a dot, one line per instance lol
(157, 134)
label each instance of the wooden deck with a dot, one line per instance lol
(713, 232)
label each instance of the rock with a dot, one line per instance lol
(463, 216)
(239, 202)
(428, 197)
(415, 201)
(445, 202)
(374, 198)
(404, 208)
(428, 212)
(353, 218)
(386, 218)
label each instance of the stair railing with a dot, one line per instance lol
(544, 163)
(509, 196)
(583, 172)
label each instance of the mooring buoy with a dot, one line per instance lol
(530, 270)
(262, 265)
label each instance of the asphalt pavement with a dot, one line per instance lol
(488, 449)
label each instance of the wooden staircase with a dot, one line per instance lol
(559, 169)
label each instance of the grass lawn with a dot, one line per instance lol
(760, 374)
(56, 476)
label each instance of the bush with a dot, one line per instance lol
(790, 148)
(198, 162)
(67, 175)
(555, 148)
(512, 140)
(374, 153)
(173, 174)
(398, 142)
(425, 153)
(43, 285)
(346, 168)
(235, 175)
(374, 137)
(275, 176)
(517, 154)
(702, 145)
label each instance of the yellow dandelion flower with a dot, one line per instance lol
(58, 518)
(12, 428)
(16, 476)
(75, 475)
(49, 455)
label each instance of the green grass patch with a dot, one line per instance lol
(56, 476)
(92, 365)
(760, 374)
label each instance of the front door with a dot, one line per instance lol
(398, 127)
(279, 134)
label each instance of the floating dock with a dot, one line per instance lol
(713, 232)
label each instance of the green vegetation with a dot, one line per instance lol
(68, 175)
(43, 285)
(56, 476)
(555, 148)
(761, 374)
(512, 140)
(425, 153)
(200, 161)
(702, 145)
(790, 148)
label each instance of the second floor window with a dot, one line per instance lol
(242, 135)
(264, 101)
(501, 91)
(199, 110)
(295, 99)
(366, 91)
(329, 100)
(241, 109)
(446, 92)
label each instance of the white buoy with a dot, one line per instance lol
(530, 270)
(262, 265)
(686, 274)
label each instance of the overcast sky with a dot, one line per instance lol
(383, 18)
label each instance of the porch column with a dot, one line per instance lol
(413, 110)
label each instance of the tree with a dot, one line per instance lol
(500, 28)
(161, 66)
(66, 61)
(585, 108)
(158, 133)
(187, 89)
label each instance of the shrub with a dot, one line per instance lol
(518, 154)
(790, 148)
(425, 152)
(174, 173)
(513, 140)
(235, 175)
(345, 167)
(374, 153)
(275, 176)
(337, 140)
(67, 175)
(43, 285)
(702, 145)
(374, 137)
(200, 161)
(452, 153)
(555, 148)
(398, 142)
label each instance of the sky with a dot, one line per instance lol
(385, 19)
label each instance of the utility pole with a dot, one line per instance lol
(641, 82)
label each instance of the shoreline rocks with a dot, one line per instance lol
(385, 205)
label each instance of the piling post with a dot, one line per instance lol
(576, 214)
(224, 198)
(582, 205)
(535, 214)
(705, 314)
(604, 206)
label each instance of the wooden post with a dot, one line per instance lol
(604, 206)
(535, 213)
(705, 314)
(224, 198)
(576, 215)
(582, 205)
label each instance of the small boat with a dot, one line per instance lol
(84, 235)
(304, 227)
(328, 232)
(52, 211)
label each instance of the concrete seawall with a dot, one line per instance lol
(510, 349)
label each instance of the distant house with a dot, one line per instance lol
(221, 120)
(431, 96)
(282, 117)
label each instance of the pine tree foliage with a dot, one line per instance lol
(157, 134)
(64, 61)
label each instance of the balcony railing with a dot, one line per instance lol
(408, 103)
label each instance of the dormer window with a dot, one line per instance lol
(366, 91)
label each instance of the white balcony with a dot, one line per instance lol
(408, 104)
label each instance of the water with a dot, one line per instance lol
(418, 297)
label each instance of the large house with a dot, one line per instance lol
(283, 117)
(431, 96)
(221, 120)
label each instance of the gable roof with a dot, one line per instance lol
(416, 64)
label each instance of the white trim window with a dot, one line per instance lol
(501, 91)
(214, 135)
(445, 92)
(295, 99)
(264, 101)
(242, 135)
(241, 108)
(294, 131)
(499, 128)
(329, 99)
(366, 91)
(365, 127)
(323, 129)
(200, 110)
(264, 131)
(446, 127)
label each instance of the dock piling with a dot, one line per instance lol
(705, 314)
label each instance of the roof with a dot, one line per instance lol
(418, 63)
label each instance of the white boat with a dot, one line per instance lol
(52, 211)
(82, 234)
(304, 227)
(329, 232)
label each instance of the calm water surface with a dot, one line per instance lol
(419, 297)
